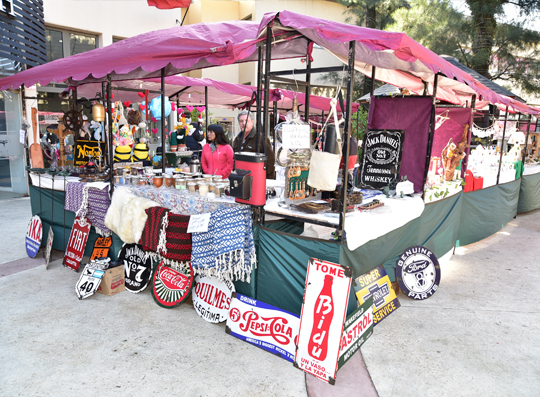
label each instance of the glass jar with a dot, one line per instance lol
(135, 180)
(203, 188)
(192, 187)
(211, 187)
(208, 177)
(180, 182)
(220, 189)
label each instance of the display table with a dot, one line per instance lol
(186, 204)
(361, 227)
(46, 181)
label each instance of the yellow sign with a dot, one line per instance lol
(376, 284)
(83, 149)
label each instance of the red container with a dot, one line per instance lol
(254, 162)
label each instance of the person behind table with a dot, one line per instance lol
(245, 142)
(217, 154)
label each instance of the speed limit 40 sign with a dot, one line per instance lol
(88, 282)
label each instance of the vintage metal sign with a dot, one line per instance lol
(89, 281)
(101, 248)
(137, 267)
(77, 243)
(263, 325)
(358, 328)
(323, 314)
(376, 284)
(212, 298)
(381, 157)
(48, 247)
(418, 273)
(84, 149)
(33, 236)
(171, 287)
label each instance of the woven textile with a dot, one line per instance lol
(153, 227)
(227, 250)
(178, 240)
(89, 202)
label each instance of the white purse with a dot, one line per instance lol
(324, 166)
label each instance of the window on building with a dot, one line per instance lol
(55, 49)
(63, 43)
(117, 39)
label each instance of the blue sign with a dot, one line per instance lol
(33, 236)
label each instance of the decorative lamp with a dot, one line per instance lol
(98, 112)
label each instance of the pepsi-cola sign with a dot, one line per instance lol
(33, 236)
(418, 273)
(323, 315)
(212, 298)
(263, 325)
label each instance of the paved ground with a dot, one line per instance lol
(478, 335)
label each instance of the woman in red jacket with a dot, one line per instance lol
(217, 154)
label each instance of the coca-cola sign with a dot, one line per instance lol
(212, 298)
(323, 315)
(171, 287)
(77, 243)
(263, 325)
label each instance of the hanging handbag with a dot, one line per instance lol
(324, 166)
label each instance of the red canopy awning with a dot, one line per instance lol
(169, 4)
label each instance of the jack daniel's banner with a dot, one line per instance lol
(381, 157)
(83, 149)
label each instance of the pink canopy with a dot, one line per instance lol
(399, 59)
(220, 94)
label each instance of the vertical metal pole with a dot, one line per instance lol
(267, 57)
(502, 145)
(431, 132)
(109, 129)
(162, 93)
(109, 149)
(308, 84)
(526, 140)
(276, 122)
(258, 99)
(473, 102)
(373, 69)
(346, 139)
(206, 111)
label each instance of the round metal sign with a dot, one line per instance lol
(137, 267)
(171, 287)
(418, 272)
(212, 298)
(34, 233)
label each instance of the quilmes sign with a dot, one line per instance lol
(381, 157)
(263, 325)
(212, 298)
(83, 149)
(376, 285)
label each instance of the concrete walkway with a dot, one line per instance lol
(478, 335)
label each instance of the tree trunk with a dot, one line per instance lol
(484, 26)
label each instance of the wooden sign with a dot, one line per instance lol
(137, 267)
(171, 287)
(212, 298)
(376, 285)
(77, 243)
(101, 248)
(381, 157)
(358, 328)
(418, 273)
(33, 236)
(263, 325)
(48, 247)
(83, 149)
(88, 283)
(323, 315)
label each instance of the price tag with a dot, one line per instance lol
(198, 223)
(296, 136)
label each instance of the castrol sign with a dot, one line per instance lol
(323, 315)
(212, 298)
(263, 325)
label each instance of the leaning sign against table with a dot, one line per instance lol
(323, 314)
